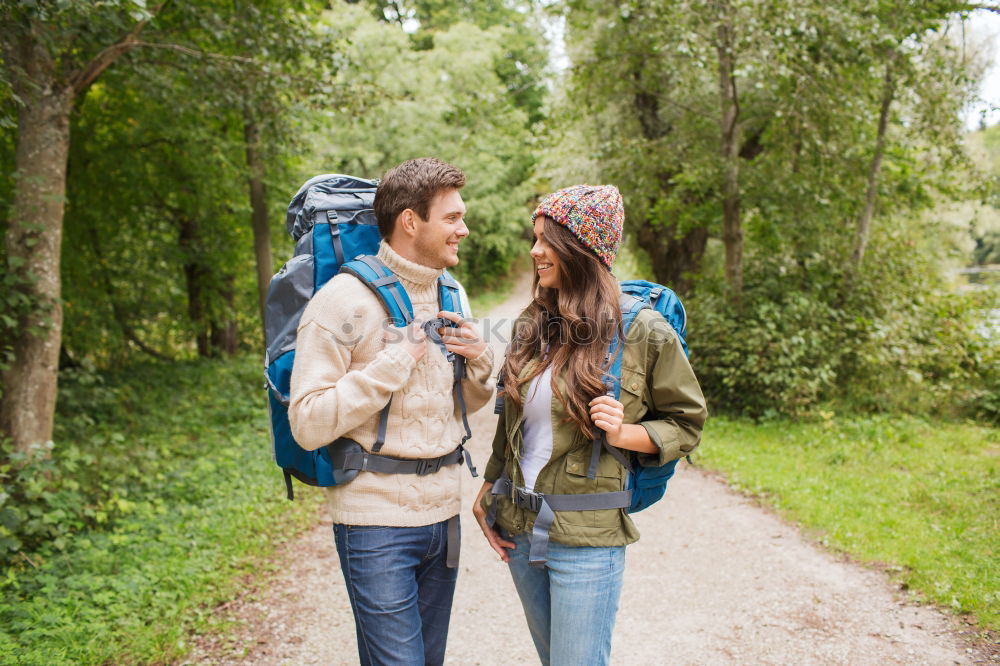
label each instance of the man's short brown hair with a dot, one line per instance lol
(413, 184)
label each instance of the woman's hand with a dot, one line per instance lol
(607, 414)
(496, 542)
(463, 340)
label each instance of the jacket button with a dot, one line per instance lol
(635, 387)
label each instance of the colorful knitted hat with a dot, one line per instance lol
(593, 213)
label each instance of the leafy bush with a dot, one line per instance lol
(786, 349)
(158, 493)
(931, 355)
(770, 356)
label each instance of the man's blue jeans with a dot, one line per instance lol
(400, 589)
(570, 604)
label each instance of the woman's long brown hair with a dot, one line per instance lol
(577, 322)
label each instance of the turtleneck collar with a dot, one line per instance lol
(408, 271)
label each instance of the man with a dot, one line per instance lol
(392, 530)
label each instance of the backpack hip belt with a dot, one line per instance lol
(545, 505)
(348, 456)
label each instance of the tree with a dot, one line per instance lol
(775, 160)
(449, 101)
(52, 53)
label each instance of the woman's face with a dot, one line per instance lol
(546, 261)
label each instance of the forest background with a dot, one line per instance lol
(797, 171)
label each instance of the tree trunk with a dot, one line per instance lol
(729, 149)
(674, 258)
(871, 194)
(195, 279)
(224, 332)
(33, 241)
(258, 206)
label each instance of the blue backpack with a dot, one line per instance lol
(331, 219)
(646, 483)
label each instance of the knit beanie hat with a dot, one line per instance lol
(593, 213)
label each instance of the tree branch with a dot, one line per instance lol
(195, 52)
(80, 80)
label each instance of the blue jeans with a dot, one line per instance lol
(400, 589)
(570, 604)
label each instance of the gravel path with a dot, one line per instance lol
(715, 579)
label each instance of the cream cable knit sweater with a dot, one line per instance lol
(343, 376)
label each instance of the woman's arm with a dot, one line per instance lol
(673, 427)
(491, 533)
(678, 411)
(607, 414)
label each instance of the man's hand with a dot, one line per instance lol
(411, 338)
(497, 543)
(463, 340)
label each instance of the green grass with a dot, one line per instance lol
(921, 497)
(169, 545)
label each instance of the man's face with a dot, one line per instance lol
(439, 235)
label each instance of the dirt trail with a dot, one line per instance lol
(714, 579)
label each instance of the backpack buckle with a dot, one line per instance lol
(427, 466)
(527, 499)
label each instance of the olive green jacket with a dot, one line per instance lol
(658, 390)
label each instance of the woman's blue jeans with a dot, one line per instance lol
(400, 589)
(571, 602)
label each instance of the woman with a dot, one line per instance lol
(567, 554)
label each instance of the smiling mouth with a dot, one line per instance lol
(543, 267)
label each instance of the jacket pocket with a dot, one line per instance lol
(633, 395)
(609, 477)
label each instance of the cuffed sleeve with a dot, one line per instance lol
(678, 410)
(477, 386)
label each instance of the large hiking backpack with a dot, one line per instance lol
(334, 228)
(646, 484)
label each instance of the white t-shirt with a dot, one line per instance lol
(537, 427)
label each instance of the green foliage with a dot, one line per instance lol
(921, 498)
(898, 342)
(447, 101)
(160, 493)
(642, 108)
(155, 267)
(770, 356)
(520, 69)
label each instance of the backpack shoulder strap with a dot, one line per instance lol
(385, 284)
(630, 307)
(449, 295)
(450, 300)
